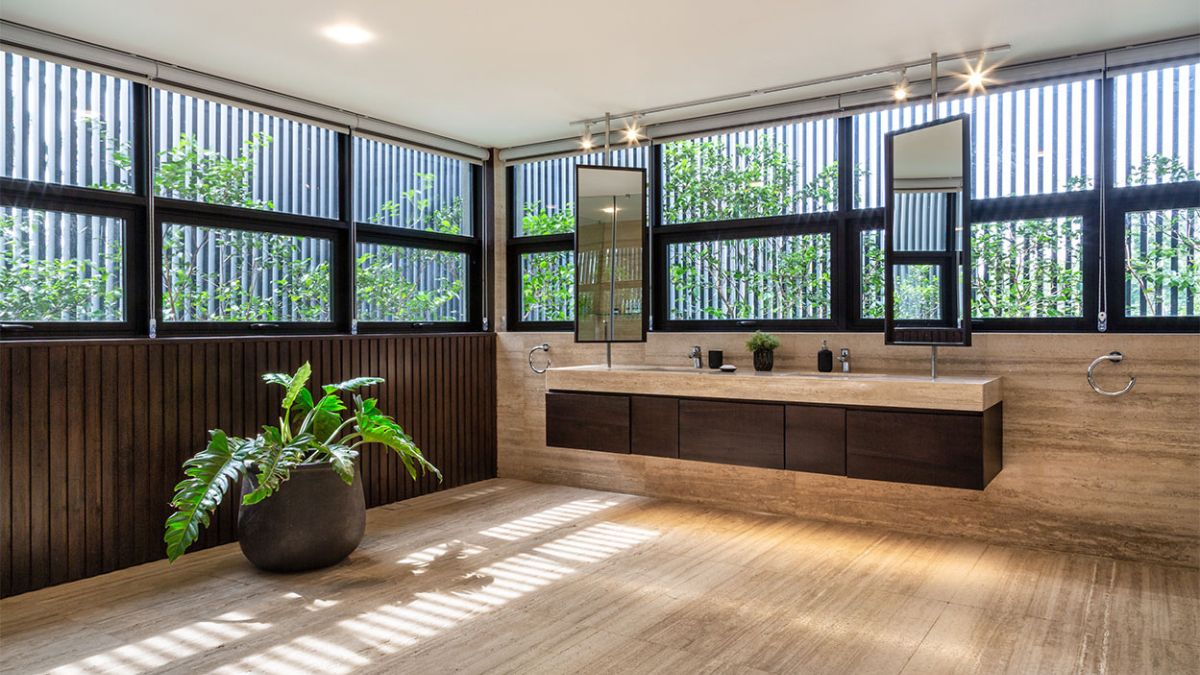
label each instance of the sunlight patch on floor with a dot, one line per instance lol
(548, 519)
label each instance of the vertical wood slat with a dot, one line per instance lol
(86, 492)
(6, 472)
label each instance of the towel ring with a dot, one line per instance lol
(544, 347)
(1115, 357)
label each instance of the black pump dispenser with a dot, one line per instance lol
(824, 359)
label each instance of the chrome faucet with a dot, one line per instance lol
(844, 357)
(694, 355)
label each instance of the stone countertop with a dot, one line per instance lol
(951, 392)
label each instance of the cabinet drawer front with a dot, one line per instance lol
(816, 439)
(587, 421)
(749, 434)
(923, 448)
(654, 426)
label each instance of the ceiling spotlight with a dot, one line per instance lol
(347, 34)
(585, 141)
(900, 92)
(976, 77)
(632, 132)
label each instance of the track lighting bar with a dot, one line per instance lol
(891, 68)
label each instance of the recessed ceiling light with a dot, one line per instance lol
(347, 34)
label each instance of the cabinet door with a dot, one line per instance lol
(655, 426)
(924, 448)
(749, 434)
(587, 421)
(816, 439)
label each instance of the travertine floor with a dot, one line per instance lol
(507, 576)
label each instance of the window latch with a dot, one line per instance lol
(263, 325)
(15, 326)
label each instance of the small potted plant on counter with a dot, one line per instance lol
(302, 504)
(763, 346)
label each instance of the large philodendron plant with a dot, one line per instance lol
(308, 433)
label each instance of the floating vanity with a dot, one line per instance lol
(900, 428)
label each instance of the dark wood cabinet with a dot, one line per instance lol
(950, 449)
(749, 434)
(654, 426)
(815, 439)
(587, 421)
(944, 449)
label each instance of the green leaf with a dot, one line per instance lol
(342, 458)
(209, 475)
(352, 384)
(297, 384)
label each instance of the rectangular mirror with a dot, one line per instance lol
(927, 235)
(610, 254)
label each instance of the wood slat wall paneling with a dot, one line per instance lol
(93, 433)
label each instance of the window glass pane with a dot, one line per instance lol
(402, 187)
(218, 274)
(1157, 139)
(870, 246)
(221, 154)
(1036, 140)
(544, 191)
(1027, 268)
(783, 277)
(1162, 267)
(65, 125)
(751, 174)
(57, 266)
(917, 293)
(548, 286)
(402, 283)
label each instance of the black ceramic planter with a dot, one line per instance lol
(314, 520)
(764, 359)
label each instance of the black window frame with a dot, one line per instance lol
(1120, 201)
(517, 246)
(144, 214)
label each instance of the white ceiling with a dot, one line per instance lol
(505, 72)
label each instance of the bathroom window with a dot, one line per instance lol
(216, 153)
(1162, 263)
(401, 187)
(1027, 268)
(410, 284)
(778, 278)
(547, 286)
(61, 267)
(755, 173)
(230, 275)
(1155, 133)
(66, 125)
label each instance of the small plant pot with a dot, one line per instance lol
(764, 360)
(314, 520)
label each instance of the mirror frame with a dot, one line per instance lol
(949, 260)
(645, 257)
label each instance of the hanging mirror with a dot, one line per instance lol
(610, 254)
(927, 274)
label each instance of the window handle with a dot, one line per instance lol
(747, 323)
(15, 326)
(263, 325)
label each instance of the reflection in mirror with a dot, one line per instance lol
(917, 292)
(926, 236)
(609, 254)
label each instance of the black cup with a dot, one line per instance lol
(716, 358)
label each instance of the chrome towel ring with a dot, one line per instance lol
(544, 347)
(1115, 357)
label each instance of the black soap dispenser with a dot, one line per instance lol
(825, 359)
